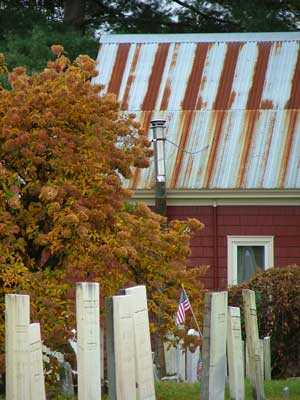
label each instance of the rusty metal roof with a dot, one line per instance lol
(235, 95)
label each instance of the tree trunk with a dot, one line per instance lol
(74, 13)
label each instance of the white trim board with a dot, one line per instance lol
(219, 197)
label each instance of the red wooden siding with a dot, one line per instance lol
(282, 222)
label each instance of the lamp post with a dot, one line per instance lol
(158, 133)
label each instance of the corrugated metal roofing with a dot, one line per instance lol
(238, 94)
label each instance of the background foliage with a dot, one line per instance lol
(28, 28)
(277, 294)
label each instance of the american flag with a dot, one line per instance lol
(184, 305)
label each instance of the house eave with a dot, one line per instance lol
(222, 197)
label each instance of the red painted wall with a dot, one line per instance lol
(210, 245)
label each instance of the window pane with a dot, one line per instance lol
(249, 260)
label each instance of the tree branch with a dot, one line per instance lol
(204, 15)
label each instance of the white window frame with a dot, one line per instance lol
(232, 244)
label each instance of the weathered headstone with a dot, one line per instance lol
(170, 358)
(192, 359)
(235, 354)
(262, 365)
(17, 320)
(37, 381)
(181, 362)
(88, 341)
(267, 358)
(253, 344)
(143, 355)
(247, 366)
(120, 348)
(214, 346)
(102, 352)
(66, 379)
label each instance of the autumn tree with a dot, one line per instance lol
(64, 214)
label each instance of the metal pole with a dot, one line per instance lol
(158, 131)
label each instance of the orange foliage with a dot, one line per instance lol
(63, 152)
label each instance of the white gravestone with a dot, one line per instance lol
(66, 379)
(181, 370)
(17, 320)
(102, 352)
(170, 357)
(192, 360)
(214, 346)
(267, 357)
(143, 355)
(37, 380)
(235, 354)
(88, 341)
(120, 348)
(253, 344)
(262, 369)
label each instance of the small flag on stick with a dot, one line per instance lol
(184, 305)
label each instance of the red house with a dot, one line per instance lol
(232, 108)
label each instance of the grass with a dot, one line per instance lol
(186, 391)
(189, 391)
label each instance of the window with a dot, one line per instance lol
(247, 254)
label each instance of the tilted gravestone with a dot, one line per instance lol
(37, 380)
(88, 341)
(214, 346)
(235, 354)
(17, 320)
(143, 355)
(120, 347)
(253, 345)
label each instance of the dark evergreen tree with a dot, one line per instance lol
(29, 27)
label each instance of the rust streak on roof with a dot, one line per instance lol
(193, 85)
(294, 100)
(185, 127)
(250, 123)
(266, 155)
(259, 77)
(119, 67)
(156, 76)
(189, 168)
(131, 76)
(224, 97)
(166, 96)
(254, 103)
(291, 124)
(217, 117)
(167, 90)
(266, 104)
